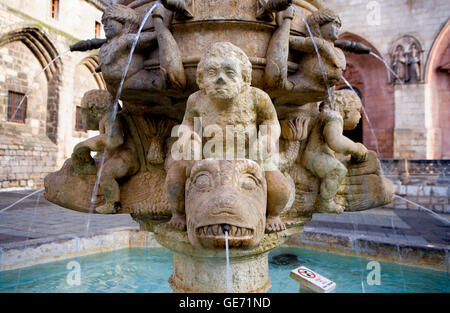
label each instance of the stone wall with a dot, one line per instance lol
(425, 182)
(29, 39)
(381, 23)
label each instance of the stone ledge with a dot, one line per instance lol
(376, 247)
(43, 250)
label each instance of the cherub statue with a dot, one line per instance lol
(226, 98)
(121, 24)
(121, 157)
(313, 77)
(326, 140)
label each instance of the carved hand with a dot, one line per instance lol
(360, 154)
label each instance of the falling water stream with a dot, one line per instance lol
(352, 239)
(387, 67)
(22, 199)
(399, 254)
(114, 114)
(228, 262)
(34, 81)
(423, 208)
(113, 117)
(30, 226)
(365, 116)
(329, 90)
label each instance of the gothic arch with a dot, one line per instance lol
(91, 63)
(85, 79)
(437, 106)
(368, 75)
(44, 51)
(39, 44)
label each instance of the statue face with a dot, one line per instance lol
(352, 115)
(222, 79)
(330, 31)
(222, 192)
(90, 119)
(112, 27)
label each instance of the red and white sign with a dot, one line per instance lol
(309, 279)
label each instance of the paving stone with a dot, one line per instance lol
(46, 219)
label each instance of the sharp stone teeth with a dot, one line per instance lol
(210, 230)
(244, 232)
(216, 229)
(220, 230)
(238, 232)
(233, 230)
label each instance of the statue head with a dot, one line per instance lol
(325, 23)
(349, 105)
(223, 71)
(119, 19)
(94, 104)
(224, 194)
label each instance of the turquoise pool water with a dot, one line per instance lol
(148, 269)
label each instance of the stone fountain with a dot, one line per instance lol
(229, 123)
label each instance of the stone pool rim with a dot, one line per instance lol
(31, 252)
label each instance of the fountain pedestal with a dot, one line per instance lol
(204, 270)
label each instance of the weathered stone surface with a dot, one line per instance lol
(241, 187)
(136, 198)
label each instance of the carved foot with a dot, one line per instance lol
(108, 208)
(273, 224)
(177, 221)
(328, 206)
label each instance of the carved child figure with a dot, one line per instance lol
(326, 139)
(121, 23)
(226, 98)
(121, 156)
(309, 80)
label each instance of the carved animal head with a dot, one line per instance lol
(223, 194)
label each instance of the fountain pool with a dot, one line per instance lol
(146, 270)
